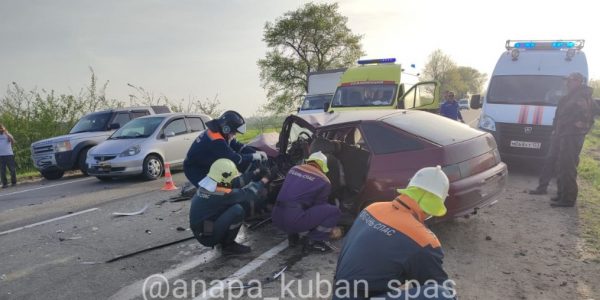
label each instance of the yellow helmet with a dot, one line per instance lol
(321, 160)
(223, 171)
(429, 187)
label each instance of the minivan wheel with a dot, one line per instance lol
(81, 161)
(153, 167)
(53, 175)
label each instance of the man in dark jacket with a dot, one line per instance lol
(221, 204)
(451, 109)
(389, 245)
(302, 204)
(218, 141)
(573, 120)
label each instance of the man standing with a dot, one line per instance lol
(7, 157)
(451, 109)
(218, 141)
(302, 206)
(573, 120)
(389, 245)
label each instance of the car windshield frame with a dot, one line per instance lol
(545, 90)
(95, 122)
(362, 89)
(148, 126)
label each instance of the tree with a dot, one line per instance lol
(461, 80)
(312, 38)
(438, 67)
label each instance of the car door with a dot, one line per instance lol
(176, 140)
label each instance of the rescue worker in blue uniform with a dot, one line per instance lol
(389, 245)
(221, 203)
(302, 204)
(451, 109)
(218, 141)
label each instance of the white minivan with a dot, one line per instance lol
(526, 85)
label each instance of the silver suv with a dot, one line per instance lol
(144, 145)
(53, 156)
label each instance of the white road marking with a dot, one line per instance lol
(137, 288)
(48, 221)
(241, 273)
(45, 187)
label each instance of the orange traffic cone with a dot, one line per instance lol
(169, 184)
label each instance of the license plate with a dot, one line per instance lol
(104, 166)
(521, 144)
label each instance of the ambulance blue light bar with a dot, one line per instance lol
(545, 44)
(377, 61)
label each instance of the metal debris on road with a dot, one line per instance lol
(276, 275)
(180, 228)
(149, 249)
(259, 223)
(148, 231)
(135, 213)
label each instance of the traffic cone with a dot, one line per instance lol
(169, 184)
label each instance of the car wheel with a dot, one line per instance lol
(104, 178)
(81, 161)
(53, 175)
(153, 167)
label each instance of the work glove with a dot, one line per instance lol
(259, 156)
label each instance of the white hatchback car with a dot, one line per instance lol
(144, 145)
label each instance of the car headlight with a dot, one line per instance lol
(131, 151)
(63, 146)
(487, 123)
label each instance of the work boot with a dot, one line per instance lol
(316, 246)
(538, 191)
(235, 248)
(562, 204)
(293, 239)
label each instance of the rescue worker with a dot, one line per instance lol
(218, 141)
(451, 109)
(573, 120)
(302, 205)
(389, 244)
(220, 205)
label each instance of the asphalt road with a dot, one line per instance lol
(57, 236)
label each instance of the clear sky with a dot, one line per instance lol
(204, 47)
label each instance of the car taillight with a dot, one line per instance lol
(453, 172)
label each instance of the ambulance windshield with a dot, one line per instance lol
(526, 89)
(356, 95)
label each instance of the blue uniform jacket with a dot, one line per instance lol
(388, 242)
(210, 146)
(451, 109)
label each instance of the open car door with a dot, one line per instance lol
(422, 96)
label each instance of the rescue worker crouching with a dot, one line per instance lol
(221, 204)
(302, 205)
(218, 141)
(389, 245)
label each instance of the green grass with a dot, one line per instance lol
(589, 194)
(27, 175)
(252, 133)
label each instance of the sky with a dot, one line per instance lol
(203, 48)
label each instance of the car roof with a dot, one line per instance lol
(169, 115)
(432, 127)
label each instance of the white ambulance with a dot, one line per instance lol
(526, 85)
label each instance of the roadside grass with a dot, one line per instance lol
(589, 194)
(27, 175)
(252, 133)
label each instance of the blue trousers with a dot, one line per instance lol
(225, 228)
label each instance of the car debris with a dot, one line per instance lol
(259, 223)
(149, 249)
(135, 213)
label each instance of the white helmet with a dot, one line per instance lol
(321, 160)
(433, 180)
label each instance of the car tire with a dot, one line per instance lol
(104, 178)
(153, 167)
(83, 167)
(53, 175)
